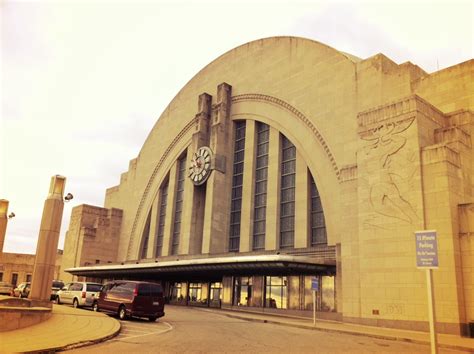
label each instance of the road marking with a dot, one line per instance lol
(126, 337)
(146, 326)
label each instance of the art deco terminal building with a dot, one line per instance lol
(285, 160)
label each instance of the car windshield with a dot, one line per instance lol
(93, 287)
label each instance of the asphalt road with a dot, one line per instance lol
(193, 330)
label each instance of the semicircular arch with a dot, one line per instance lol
(280, 115)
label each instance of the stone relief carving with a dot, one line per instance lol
(396, 169)
(395, 309)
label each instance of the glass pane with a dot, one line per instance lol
(261, 174)
(328, 302)
(261, 187)
(316, 204)
(239, 156)
(286, 239)
(236, 193)
(235, 230)
(236, 204)
(240, 144)
(262, 149)
(237, 180)
(288, 181)
(262, 161)
(259, 214)
(287, 209)
(285, 143)
(238, 167)
(259, 241)
(287, 195)
(288, 166)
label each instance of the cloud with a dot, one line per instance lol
(83, 83)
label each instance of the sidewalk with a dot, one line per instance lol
(444, 340)
(67, 327)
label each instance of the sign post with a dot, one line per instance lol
(427, 258)
(314, 288)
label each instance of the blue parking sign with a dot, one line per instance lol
(315, 284)
(426, 249)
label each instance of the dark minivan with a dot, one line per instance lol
(129, 298)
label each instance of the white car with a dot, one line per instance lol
(79, 294)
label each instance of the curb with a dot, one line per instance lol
(91, 342)
(372, 335)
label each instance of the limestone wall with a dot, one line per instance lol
(91, 238)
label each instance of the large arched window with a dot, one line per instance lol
(145, 237)
(287, 193)
(178, 204)
(237, 182)
(161, 218)
(318, 225)
(260, 192)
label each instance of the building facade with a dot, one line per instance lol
(285, 160)
(16, 268)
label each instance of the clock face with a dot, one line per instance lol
(200, 167)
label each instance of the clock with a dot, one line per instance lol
(200, 167)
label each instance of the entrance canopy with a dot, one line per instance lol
(210, 268)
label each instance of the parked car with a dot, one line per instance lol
(22, 290)
(128, 298)
(55, 287)
(79, 294)
(6, 288)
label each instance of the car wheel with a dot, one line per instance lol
(75, 303)
(95, 306)
(152, 319)
(122, 312)
(57, 300)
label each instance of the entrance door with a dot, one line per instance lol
(242, 291)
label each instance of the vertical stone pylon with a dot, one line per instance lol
(3, 222)
(216, 227)
(47, 247)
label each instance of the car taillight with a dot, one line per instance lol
(83, 294)
(135, 292)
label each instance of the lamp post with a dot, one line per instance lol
(47, 247)
(3, 222)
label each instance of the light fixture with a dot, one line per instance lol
(11, 215)
(68, 197)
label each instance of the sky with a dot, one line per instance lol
(84, 82)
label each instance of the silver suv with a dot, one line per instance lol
(79, 294)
